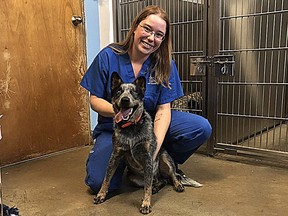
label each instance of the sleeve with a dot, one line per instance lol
(96, 77)
(168, 95)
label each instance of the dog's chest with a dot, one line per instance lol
(134, 162)
(135, 145)
(136, 149)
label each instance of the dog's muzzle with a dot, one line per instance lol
(127, 116)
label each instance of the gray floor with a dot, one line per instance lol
(54, 186)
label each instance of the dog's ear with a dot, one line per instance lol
(140, 82)
(116, 81)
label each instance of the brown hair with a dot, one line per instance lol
(161, 58)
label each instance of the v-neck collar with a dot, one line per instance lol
(129, 69)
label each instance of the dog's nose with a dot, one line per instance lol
(125, 100)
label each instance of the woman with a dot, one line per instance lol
(146, 51)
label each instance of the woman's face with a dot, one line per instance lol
(149, 35)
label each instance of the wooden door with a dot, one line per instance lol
(42, 61)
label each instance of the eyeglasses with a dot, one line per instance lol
(158, 35)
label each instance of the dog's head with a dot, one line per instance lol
(127, 98)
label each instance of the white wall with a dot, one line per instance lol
(106, 22)
(99, 33)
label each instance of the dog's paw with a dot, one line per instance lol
(100, 198)
(179, 188)
(145, 209)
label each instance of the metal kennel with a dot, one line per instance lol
(232, 60)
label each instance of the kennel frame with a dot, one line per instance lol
(220, 28)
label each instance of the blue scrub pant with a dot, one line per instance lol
(187, 132)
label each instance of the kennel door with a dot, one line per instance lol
(252, 105)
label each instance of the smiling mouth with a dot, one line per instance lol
(147, 45)
(124, 114)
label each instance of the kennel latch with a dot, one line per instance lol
(223, 65)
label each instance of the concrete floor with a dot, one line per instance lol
(54, 186)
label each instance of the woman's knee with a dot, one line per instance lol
(93, 184)
(187, 132)
(97, 161)
(95, 179)
(94, 172)
(206, 129)
(188, 126)
(96, 166)
(199, 135)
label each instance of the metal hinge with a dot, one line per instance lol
(223, 65)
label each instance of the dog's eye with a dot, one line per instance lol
(118, 92)
(134, 93)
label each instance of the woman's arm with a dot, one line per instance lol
(161, 124)
(101, 106)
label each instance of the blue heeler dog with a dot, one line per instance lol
(135, 142)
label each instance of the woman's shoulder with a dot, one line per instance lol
(107, 55)
(111, 51)
(174, 69)
(106, 51)
(173, 63)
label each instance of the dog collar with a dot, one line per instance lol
(130, 122)
(134, 119)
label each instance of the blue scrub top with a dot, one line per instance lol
(97, 81)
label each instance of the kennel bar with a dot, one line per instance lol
(252, 106)
(187, 20)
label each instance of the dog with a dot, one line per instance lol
(135, 142)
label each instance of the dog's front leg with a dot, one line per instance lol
(112, 166)
(148, 181)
